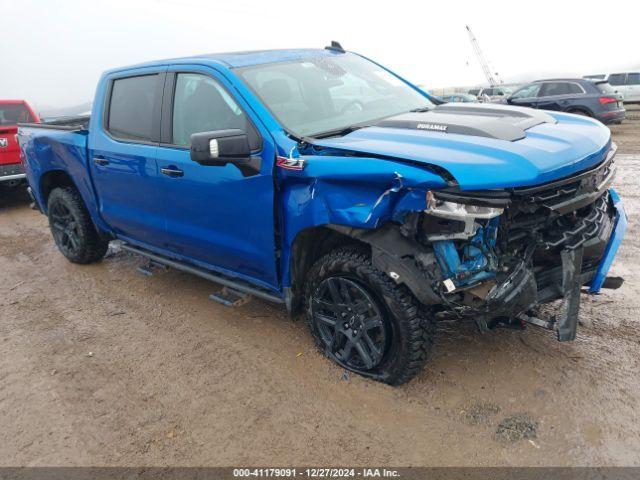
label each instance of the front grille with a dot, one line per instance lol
(13, 169)
(573, 230)
(570, 213)
(568, 194)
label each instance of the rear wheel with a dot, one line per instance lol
(364, 321)
(72, 228)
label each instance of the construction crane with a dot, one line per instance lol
(483, 61)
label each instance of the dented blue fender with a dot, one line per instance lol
(354, 192)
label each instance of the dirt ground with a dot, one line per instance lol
(100, 365)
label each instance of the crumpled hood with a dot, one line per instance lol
(547, 152)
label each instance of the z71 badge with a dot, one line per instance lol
(3, 142)
(432, 126)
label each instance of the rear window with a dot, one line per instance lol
(633, 79)
(14, 113)
(605, 87)
(131, 107)
(474, 92)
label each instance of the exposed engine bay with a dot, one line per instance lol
(496, 256)
(503, 253)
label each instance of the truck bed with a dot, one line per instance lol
(72, 123)
(58, 145)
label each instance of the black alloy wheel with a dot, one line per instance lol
(350, 323)
(64, 228)
(72, 227)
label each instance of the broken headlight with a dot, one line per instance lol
(460, 218)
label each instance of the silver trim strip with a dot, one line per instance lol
(13, 177)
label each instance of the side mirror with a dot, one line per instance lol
(220, 147)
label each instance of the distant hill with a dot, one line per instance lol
(48, 112)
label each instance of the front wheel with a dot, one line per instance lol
(364, 321)
(72, 228)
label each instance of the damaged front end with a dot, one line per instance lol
(496, 256)
(501, 254)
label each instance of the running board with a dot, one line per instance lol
(216, 278)
(230, 297)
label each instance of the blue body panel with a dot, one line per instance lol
(615, 240)
(245, 227)
(549, 152)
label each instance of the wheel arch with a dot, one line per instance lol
(580, 108)
(404, 260)
(308, 246)
(53, 179)
(59, 178)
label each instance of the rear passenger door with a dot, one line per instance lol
(123, 142)
(633, 87)
(619, 83)
(215, 215)
(559, 95)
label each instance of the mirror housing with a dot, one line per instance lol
(220, 147)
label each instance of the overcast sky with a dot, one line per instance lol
(52, 52)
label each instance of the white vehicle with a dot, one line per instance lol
(628, 84)
(490, 94)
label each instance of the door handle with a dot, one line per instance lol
(172, 172)
(100, 161)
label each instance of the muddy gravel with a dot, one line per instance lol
(100, 365)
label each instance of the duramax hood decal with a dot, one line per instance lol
(491, 121)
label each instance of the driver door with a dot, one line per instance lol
(214, 215)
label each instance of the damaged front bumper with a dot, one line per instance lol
(495, 256)
(585, 253)
(619, 229)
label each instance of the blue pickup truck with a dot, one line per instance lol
(319, 179)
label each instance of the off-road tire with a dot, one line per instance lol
(90, 247)
(413, 327)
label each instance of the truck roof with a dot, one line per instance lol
(240, 59)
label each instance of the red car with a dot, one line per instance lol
(12, 112)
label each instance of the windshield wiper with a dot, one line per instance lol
(421, 109)
(339, 132)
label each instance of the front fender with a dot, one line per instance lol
(356, 192)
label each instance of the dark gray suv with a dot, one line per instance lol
(594, 98)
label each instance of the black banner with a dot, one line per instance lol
(286, 473)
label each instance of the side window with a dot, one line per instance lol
(528, 91)
(554, 88)
(574, 88)
(617, 79)
(131, 107)
(202, 105)
(633, 79)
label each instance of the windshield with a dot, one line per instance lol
(319, 95)
(13, 113)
